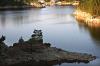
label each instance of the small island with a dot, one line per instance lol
(35, 52)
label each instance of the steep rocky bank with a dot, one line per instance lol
(35, 52)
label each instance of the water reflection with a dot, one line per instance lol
(95, 34)
(6, 21)
(2, 19)
(94, 31)
(17, 18)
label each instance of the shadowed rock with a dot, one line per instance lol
(2, 39)
(35, 52)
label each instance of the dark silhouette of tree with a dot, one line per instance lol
(1, 43)
(2, 39)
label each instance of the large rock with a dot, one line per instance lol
(49, 55)
(36, 53)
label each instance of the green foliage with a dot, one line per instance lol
(91, 6)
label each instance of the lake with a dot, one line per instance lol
(59, 26)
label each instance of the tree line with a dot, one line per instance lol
(22, 2)
(15, 2)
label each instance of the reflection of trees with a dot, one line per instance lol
(94, 31)
(18, 19)
(3, 20)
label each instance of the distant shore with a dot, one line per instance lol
(14, 7)
(35, 5)
(18, 7)
(39, 5)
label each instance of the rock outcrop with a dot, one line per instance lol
(35, 52)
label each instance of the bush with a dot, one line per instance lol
(91, 6)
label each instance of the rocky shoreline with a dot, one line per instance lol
(35, 52)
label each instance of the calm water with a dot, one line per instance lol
(59, 27)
